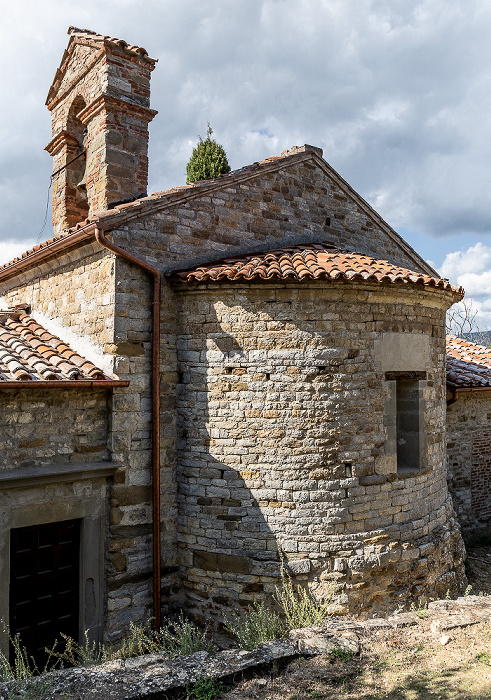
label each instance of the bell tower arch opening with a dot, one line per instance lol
(76, 183)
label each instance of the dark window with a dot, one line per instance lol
(44, 585)
(408, 425)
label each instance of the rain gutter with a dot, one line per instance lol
(464, 390)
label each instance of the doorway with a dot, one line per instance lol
(44, 585)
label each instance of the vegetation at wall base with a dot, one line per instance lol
(208, 160)
(260, 624)
(299, 605)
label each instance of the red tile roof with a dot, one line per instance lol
(30, 352)
(104, 38)
(309, 262)
(167, 197)
(118, 214)
(468, 364)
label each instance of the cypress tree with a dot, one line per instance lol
(208, 160)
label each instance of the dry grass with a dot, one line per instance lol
(393, 665)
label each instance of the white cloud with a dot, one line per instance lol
(397, 94)
(13, 249)
(471, 269)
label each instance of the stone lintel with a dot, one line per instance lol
(55, 473)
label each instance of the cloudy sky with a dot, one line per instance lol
(396, 92)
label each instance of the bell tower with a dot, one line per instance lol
(100, 111)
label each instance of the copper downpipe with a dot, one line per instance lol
(155, 274)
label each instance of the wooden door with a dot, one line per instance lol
(44, 585)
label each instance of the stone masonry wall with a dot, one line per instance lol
(299, 203)
(79, 291)
(281, 422)
(42, 426)
(469, 457)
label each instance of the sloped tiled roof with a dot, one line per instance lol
(468, 365)
(28, 352)
(166, 196)
(122, 213)
(308, 262)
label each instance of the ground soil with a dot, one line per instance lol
(397, 664)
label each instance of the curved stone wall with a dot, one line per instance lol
(287, 412)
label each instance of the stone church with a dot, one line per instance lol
(194, 380)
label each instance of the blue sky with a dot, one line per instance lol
(397, 93)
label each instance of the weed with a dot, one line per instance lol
(39, 688)
(484, 657)
(467, 591)
(315, 694)
(173, 639)
(420, 610)
(181, 638)
(86, 654)
(259, 624)
(205, 688)
(300, 607)
(339, 654)
(23, 667)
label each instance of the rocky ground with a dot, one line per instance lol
(422, 661)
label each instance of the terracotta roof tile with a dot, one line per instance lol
(94, 36)
(309, 261)
(30, 352)
(468, 364)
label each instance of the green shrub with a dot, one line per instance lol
(208, 160)
(175, 638)
(205, 688)
(300, 607)
(259, 624)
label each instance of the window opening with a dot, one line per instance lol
(77, 204)
(408, 425)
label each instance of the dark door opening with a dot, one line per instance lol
(44, 585)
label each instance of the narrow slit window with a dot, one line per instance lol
(408, 425)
